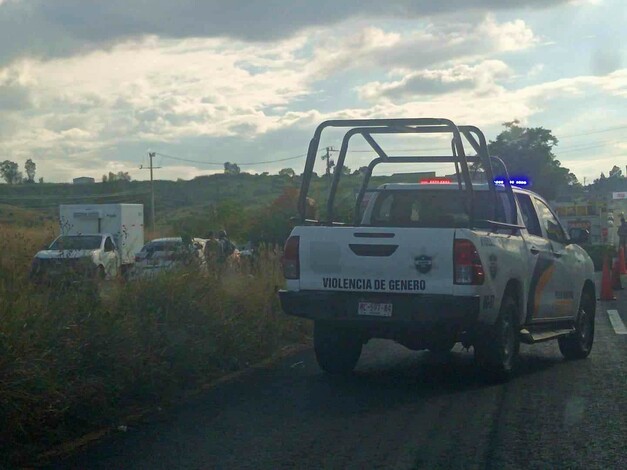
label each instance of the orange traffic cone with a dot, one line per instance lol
(606, 283)
(621, 260)
(616, 284)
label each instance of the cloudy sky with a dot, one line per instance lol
(88, 87)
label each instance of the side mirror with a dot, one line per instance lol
(579, 235)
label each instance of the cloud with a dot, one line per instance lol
(483, 110)
(481, 78)
(438, 43)
(148, 91)
(67, 27)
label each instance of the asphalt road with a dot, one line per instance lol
(401, 409)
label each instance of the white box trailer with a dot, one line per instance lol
(124, 221)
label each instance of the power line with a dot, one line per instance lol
(598, 131)
(561, 150)
(189, 160)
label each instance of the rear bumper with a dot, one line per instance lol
(409, 310)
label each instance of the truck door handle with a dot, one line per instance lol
(534, 250)
(557, 255)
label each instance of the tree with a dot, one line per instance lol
(528, 152)
(31, 168)
(114, 177)
(41, 180)
(607, 184)
(289, 172)
(10, 172)
(616, 172)
(273, 224)
(231, 168)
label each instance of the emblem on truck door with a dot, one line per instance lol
(423, 263)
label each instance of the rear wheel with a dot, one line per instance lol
(579, 344)
(496, 351)
(337, 349)
(100, 274)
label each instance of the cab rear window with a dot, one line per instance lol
(437, 209)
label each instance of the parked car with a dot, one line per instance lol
(94, 256)
(164, 254)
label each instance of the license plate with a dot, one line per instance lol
(374, 309)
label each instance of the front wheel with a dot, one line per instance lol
(579, 344)
(337, 349)
(100, 274)
(496, 351)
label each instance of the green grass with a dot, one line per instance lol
(77, 360)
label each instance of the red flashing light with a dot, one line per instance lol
(436, 181)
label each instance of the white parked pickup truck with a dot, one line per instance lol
(88, 256)
(97, 241)
(429, 265)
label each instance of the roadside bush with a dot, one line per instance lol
(75, 360)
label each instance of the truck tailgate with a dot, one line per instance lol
(381, 259)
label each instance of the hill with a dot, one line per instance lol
(236, 202)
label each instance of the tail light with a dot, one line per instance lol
(467, 263)
(291, 260)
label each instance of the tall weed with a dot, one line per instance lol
(72, 360)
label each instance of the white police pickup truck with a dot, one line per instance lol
(429, 265)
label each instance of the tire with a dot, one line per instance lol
(100, 274)
(337, 350)
(579, 344)
(496, 351)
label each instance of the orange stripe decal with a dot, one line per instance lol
(545, 277)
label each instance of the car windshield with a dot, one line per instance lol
(76, 242)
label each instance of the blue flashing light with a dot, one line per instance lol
(518, 181)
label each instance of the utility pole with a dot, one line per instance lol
(327, 157)
(151, 155)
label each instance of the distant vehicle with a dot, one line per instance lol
(246, 250)
(97, 240)
(436, 262)
(162, 254)
(93, 256)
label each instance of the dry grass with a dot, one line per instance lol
(77, 360)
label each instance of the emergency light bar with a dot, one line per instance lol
(436, 181)
(515, 182)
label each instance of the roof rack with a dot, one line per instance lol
(369, 128)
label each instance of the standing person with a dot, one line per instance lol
(228, 248)
(622, 233)
(213, 250)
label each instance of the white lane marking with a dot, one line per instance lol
(617, 323)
